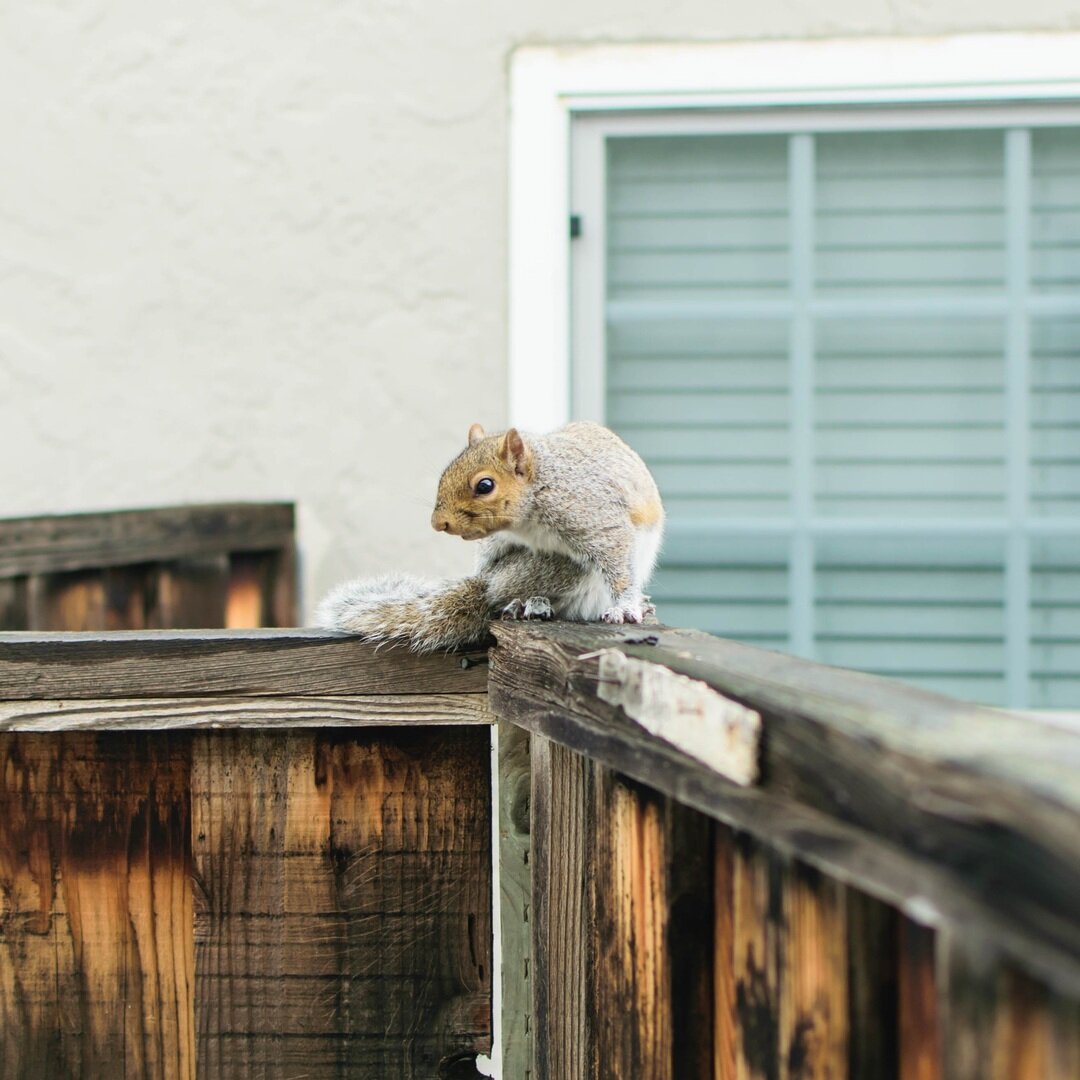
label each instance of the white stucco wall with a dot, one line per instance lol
(258, 250)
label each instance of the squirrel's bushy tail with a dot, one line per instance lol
(429, 615)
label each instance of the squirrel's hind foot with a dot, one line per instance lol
(625, 613)
(536, 607)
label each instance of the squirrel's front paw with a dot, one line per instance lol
(536, 607)
(631, 613)
(539, 607)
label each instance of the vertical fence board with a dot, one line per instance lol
(725, 1029)
(814, 979)
(872, 979)
(632, 1003)
(515, 898)
(757, 932)
(560, 805)
(96, 956)
(919, 1024)
(190, 594)
(14, 604)
(68, 601)
(249, 593)
(345, 929)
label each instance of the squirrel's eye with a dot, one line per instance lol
(485, 486)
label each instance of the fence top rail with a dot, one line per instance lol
(237, 663)
(887, 786)
(62, 542)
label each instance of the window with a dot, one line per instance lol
(852, 359)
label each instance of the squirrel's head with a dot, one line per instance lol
(482, 489)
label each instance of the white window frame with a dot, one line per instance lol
(743, 85)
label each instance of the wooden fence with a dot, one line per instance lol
(892, 892)
(241, 855)
(229, 564)
(269, 854)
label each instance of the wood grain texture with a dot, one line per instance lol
(189, 594)
(920, 1013)
(560, 837)
(343, 921)
(45, 545)
(180, 663)
(962, 813)
(873, 960)
(152, 714)
(96, 947)
(631, 1001)
(725, 1038)
(757, 931)
(515, 897)
(814, 978)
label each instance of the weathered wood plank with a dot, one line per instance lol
(45, 545)
(757, 932)
(814, 978)
(247, 604)
(725, 1032)
(344, 901)
(942, 822)
(873, 959)
(561, 816)
(920, 1012)
(14, 604)
(189, 594)
(96, 951)
(515, 896)
(68, 601)
(631, 999)
(151, 714)
(178, 663)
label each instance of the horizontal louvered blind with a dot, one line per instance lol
(852, 360)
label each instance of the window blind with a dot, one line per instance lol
(852, 360)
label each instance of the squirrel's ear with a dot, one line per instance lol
(476, 433)
(514, 452)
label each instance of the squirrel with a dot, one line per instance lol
(569, 525)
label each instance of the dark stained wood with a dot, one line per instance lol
(515, 897)
(14, 604)
(757, 932)
(969, 808)
(725, 1037)
(68, 601)
(561, 816)
(631, 1000)
(343, 921)
(46, 545)
(235, 662)
(127, 597)
(814, 978)
(96, 948)
(873, 1005)
(189, 594)
(920, 1016)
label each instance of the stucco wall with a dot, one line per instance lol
(257, 250)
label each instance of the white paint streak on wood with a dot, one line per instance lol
(687, 713)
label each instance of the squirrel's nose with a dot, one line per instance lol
(440, 522)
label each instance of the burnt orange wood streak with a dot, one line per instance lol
(96, 944)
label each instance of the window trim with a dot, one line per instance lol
(550, 87)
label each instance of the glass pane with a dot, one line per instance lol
(1055, 417)
(909, 417)
(1055, 212)
(907, 213)
(697, 218)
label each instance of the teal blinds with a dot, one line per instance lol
(853, 362)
